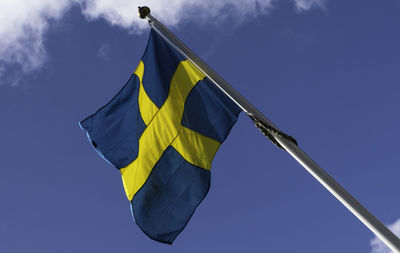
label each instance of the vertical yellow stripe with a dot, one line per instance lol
(147, 108)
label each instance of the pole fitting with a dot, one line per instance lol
(271, 132)
(143, 11)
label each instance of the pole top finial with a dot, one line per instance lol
(143, 11)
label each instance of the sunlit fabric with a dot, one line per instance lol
(162, 131)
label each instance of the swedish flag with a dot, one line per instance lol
(162, 131)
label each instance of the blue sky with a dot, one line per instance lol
(325, 72)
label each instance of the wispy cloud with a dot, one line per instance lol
(377, 246)
(305, 5)
(103, 52)
(2, 70)
(24, 23)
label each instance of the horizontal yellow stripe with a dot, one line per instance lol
(163, 128)
(196, 148)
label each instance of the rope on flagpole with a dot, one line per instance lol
(270, 132)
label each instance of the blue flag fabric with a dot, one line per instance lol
(161, 131)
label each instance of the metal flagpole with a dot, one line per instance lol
(279, 138)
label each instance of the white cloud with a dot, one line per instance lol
(304, 5)
(171, 12)
(24, 23)
(22, 29)
(377, 246)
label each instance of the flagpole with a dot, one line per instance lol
(281, 139)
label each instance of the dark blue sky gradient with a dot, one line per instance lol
(329, 78)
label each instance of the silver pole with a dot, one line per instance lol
(391, 240)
